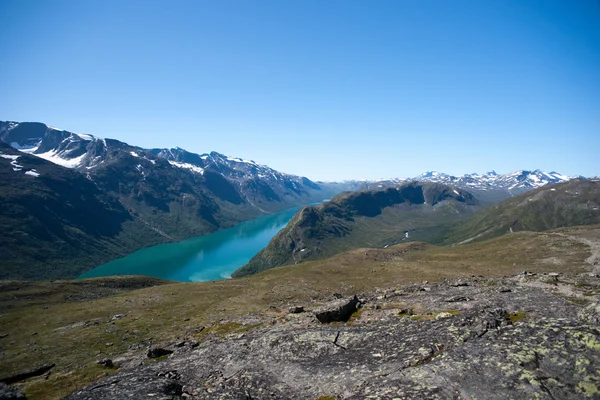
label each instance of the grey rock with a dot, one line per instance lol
(591, 313)
(337, 311)
(195, 330)
(157, 352)
(170, 375)
(443, 315)
(107, 362)
(461, 284)
(456, 299)
(10, 392)
(549, 353)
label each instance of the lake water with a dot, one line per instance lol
(203, 258)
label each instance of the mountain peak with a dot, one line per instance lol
(516, 182)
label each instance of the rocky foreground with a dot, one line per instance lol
(524, 337)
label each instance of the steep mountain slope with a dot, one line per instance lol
(364, 219)
(576, 202)
(55, 222)
(258, 184)
(231, 179)
(170, 194)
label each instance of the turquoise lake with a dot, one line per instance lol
(203, 258)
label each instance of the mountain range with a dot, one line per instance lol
(497, 294)
(161, 195)
(247, 181)
(86, 152)
(153, 196)
(422, 211)
(369, 218)
(489, 187)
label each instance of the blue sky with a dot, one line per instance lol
(327, 89)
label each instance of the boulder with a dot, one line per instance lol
(157, 352)
(107, 362)
(337, 311)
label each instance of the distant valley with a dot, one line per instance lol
(370, 218)
(483, 281)
(72, 201)
(429, 212)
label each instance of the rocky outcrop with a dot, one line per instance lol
(157, 352)
(513, 338)
(10, 393)
(21, 376)
(338, 311)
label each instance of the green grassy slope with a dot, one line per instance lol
(71, 324)
(364, 219)
(576, 202)
(59, 222)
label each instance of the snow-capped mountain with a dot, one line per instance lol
(489, 186)
(61, 147)
(84, 200)
(234, 168)
(516, 182)
(86, 153)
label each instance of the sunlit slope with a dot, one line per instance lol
(376, 218)
(78, 325)
(572, 203)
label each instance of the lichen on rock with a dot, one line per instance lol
(475, 351)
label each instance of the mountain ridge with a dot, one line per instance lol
(70, 155)
(315, 232)
(167, 199)
(375, 218)
(175, 194)
(489, 187)
(571, 203)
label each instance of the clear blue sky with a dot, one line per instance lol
(326, 89)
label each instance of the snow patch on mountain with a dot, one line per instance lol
(25, 148)
(518, 180)
(85, 137)
(55, 157)
(187, 166)
(240, 160)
